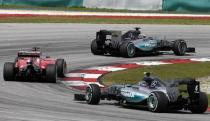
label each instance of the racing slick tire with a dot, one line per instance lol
(202, 104)
(93, 94)
(51, 74)
(157, 102)
(94, 48)
(127, 50)
(9, 71)
(61, 67)
(180, 47)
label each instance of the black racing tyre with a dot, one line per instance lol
(180, 47)
(127, 50)
(61, 67)
(157, 102)
(93, 94)
(202, 105)
(51, 74)
(94, 48)
(9, 71)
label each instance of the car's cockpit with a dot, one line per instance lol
(132, 34)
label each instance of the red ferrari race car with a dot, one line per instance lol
(30, 65)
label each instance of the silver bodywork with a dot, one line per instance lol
(140, 92)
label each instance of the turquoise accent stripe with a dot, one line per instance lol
(44, 3)
(186, 5)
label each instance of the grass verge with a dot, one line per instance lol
(165, 72)
(99, 20)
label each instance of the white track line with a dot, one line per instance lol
(74, 13)
(106, 68)
(150, 63)
(83, 75)
(200, 59)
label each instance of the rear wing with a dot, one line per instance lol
(104, 35)
(193, 87)
(29, 54)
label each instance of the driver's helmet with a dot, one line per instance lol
(29, 62)
(150, 81)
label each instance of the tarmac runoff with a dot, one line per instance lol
(5, 12)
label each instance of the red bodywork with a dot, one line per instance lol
(40, 62)
(30, 64)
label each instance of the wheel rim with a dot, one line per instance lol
(152, 102)
(182, 48)
(88, 95)
(131, 50)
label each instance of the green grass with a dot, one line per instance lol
(68, 19)
(209, 99)
(165, 72)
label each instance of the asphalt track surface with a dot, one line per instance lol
(34, 101)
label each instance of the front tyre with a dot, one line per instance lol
(93, 94)
(51, 74)
(61, 67)
(157, 102)
(180, 47)
(9, 71)
(94, 48)
(202, 104)
(127, 50)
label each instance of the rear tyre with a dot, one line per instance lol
(180, 47)
(51, 74)
(94, 48)
(202, 105)
(157, 102)
(61, 67)
(93, 94)
(127, 50)
(9, 71)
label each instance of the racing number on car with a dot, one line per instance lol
(196, 89)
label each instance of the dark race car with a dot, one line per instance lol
(133, 43)
(152, 93)
(29, 65)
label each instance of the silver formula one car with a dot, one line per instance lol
(152, 93)
(133, 43)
